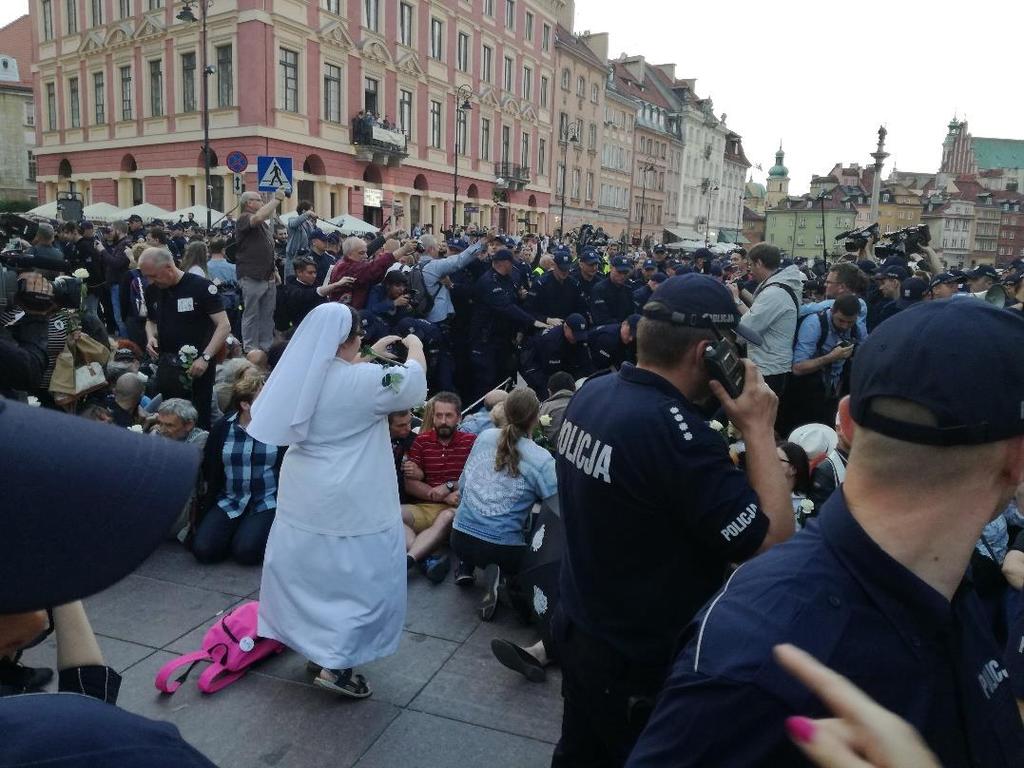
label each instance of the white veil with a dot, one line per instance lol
(282, 412)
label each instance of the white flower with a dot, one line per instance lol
(545, 420)
(81, 273)
(538, 539)
(34, 401)
(188, 349)
(716, 425)
(135, 428)
(806, 506)
(540, 601)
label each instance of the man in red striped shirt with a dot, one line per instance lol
(440, 453)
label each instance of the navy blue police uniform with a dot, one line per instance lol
(606, 347)
(497, 318)
(833, 591)
(610, 301)
(653, 509)
(551, 351)
(555, 294)
(586, 286)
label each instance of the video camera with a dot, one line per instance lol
(14, 259)
(908, 241)
(857, 239)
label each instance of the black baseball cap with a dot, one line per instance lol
(894, 271)
(913, 289)
(503, 254)
(985, 270)
(931, 354)
(943, 278)
(697, 301)
(622, 264)
(87, 504)
(578, 324)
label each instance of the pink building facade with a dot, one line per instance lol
(119, 103)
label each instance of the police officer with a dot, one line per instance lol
(612, 300)
(660, 257)
(587, 273)
(554, 296)
(654, 511)
(642, 294)
(497, 318)
(612, 345)
(562, 348)
(877, 588)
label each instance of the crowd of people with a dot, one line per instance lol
(491, 387)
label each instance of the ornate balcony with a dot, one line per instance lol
(515, 176)
(377, 144)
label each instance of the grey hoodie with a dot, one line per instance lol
(774, 315)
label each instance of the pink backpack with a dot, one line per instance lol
(231, 646)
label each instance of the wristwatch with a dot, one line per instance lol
(450, 485)
(206, 357)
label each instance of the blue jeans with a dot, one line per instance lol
(115, 301)
(243, 537)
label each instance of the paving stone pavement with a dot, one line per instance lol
(442, 700)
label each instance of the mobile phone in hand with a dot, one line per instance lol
(725, 367)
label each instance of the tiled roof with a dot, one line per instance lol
(749, 215)
(16, 41)
(626, 84)
(576, 47)
(998, 153)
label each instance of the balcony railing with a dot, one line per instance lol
(517, 176)
(377, 144)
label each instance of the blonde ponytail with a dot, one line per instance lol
(521, 409)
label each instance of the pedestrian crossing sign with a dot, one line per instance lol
(274, 173)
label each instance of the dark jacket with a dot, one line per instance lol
(295, 300)
(116, 261)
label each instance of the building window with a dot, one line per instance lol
(137, 192)
(30, 114)
(405, 23)
(566, 77)
(71, 14)
(74, 105)
(528, 24)
(435, 124)
(436, 38)
(334, 6)
(563, 127)
(225, 85)
(99, 98)
(485, 138)
(559, 179)
(489, 8)
(506, 141)
(289, 65)
(462, 53)
(156, 88)
(31, 166)
(188, 82)
(460, 131)
(155, 5)
(509, 82)
(581, 86)
(125, 8)
(51, 107)
(590, 186)
(332, 93)
(47, 15)
(370, 87)
(543, 91)
(595, 92)
(97, 13)
(542, 156)
(524, 151)
(592, 137)
(405, 112)
(372, 10)
(545, 38)
(510, 14)
(485, 64)
(527, 83)
(575, 193)
(126, 93)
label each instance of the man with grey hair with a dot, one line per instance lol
(366, 273)
(257, 272)
(186, 325)
(176, 420)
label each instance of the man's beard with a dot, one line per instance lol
(444, 431)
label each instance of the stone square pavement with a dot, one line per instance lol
(442, 700)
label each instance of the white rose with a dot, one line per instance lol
(135, 428)
(81, 273)
(34, 401)
(188, 349)
(716, 425)
(545, 420)
(806, 505)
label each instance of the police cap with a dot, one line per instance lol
(503, 254)
(697, 301)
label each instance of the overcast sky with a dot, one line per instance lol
(815, 76)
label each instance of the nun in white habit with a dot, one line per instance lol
(334, 576)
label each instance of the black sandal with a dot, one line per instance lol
(345, 683)
(518, 660)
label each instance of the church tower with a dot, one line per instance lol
(778, 180)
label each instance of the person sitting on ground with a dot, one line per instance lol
(441, 453)
(176, 419)
(402, 437)
(483, 419)
(798, 473)
(505, 474)
(128, 391)
(562, 387)
(241, 475)
(228, 373)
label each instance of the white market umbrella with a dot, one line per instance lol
(199, 212)
(352, 225)
(46, 211)
(147, 211)
(101, 212)
(323, 224)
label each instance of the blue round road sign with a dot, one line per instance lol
(238, 162)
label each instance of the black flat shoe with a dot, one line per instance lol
(518, 660)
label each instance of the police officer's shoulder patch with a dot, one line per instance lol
(680, 420)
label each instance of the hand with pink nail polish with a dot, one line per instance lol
(863, 735)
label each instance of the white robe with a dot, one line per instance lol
(334, 576)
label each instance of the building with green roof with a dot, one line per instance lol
(998, 164)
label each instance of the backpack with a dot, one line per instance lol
(231, 646)
(424, 302)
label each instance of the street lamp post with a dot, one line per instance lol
(186, 14)
(644, 169)
(461, 105)
(821, 199)
(712, 188)
(570, 133)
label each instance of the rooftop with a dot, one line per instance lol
(16, 42)
(626, 84)
(574, 46)
(998, 153)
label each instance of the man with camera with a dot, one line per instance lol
(257, 272)
(301, 293)
(183, 310)
(300, 227)
(654, 510)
